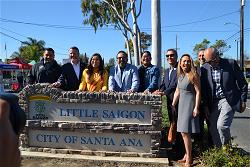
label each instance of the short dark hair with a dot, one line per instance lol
(173, 50)
(50, 50)
(123, 52)
(202, 49)
(147, 52)
(74, 48)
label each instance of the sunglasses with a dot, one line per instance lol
(201, 55)
(170, 55)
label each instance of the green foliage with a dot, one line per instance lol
(99, 13)
(164, 110)
(227, 156)
(203, 45)
(146, 42)
(30, 50)
(220, 45)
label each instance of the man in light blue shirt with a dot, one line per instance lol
(149, 74)
(123, 77)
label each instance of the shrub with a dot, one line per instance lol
(227, 156)
(164, 110)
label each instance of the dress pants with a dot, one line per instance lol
(221, 118)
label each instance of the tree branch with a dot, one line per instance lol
(125, 24)
(139, 9)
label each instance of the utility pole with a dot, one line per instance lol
(237, 49)
(156, 32)
(242, 4)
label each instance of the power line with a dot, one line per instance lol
(11, 37)
(107, 28)
(22, 42)
(28, 37)
(49, 25)
(199, 21)
(246, 29)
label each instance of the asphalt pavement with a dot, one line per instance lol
(240, 129)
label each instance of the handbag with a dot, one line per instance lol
(172, 132)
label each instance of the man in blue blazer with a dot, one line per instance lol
(71, 75)
(224, 91)
(123, 77)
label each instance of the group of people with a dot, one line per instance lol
(77, 76)
(212, 91)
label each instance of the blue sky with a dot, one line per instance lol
(174, 16)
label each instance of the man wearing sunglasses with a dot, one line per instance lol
(224, 91)
(169, 82)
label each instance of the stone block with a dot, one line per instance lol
(86, 152)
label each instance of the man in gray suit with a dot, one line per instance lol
(123, 77)
(224, 91)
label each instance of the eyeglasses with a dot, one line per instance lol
(170, 55)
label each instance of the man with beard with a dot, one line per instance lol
(45, 71)
(123, 77)
(71, 72)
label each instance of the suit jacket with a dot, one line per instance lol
(233, 84)
(44, 72)
(68, 78)
(169, 85)
(121, 82)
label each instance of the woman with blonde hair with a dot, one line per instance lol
(188, 95)
(94, 77)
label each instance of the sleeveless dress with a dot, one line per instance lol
(186, 122)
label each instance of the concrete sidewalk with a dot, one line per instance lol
(42, 159)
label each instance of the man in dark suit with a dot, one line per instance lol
(71, 72)
(169, 82)
(168, 88)
(224, 91)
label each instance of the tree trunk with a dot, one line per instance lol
(128, 50)
(156, 32)
(135, 34)
(139, 44)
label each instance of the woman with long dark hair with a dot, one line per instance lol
(94, 77)
(188, 95)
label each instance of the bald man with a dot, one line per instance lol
(224, 91)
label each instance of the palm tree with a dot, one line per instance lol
(31, 49)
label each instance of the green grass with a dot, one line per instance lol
(227, 156)
(164, 110)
